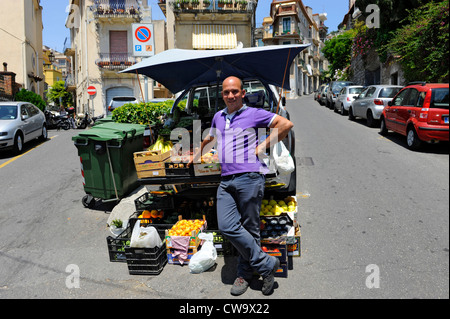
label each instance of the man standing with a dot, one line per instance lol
(241, 190)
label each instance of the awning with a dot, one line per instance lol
(213, 36)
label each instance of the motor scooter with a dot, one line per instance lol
(56, 120)
(84, 120)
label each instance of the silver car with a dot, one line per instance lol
(20, 122)
(346, 97)
(370, 103)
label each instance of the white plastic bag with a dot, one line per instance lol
(283, 159)
(145, 237)
(206, 257)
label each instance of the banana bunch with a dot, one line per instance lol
(161, 145)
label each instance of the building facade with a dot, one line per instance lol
(291, 22)
(21, 42)
(209, 24)
(102, 45)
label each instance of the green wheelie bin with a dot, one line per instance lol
(107, 164)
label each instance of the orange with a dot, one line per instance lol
(146, 214)
(154, 213)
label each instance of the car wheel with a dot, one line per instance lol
(335, 108)
(343, 112)
(370, 119)
(18, 143)
(383, 128)
(351, 117)
(412, 140)
(44, 135)
(88, 201)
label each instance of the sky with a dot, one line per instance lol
(55, 32)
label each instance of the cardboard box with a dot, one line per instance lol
(150, 163)
(207, 169)
(294, 249)
(149, 157)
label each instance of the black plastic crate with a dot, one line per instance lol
(181, 169)
(146, 261)
(150, 201)
(143, 222)
(116, 245)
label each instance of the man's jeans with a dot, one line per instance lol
(238, 205)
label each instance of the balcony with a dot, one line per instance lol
(69, 83)
(212, 6)
(115, 61)
(117, 9)
(295, 33)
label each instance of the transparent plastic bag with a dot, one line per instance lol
(206, 257)
(145, 237)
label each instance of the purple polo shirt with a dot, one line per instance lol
(237, 137)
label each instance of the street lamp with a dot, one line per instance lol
(51, 57)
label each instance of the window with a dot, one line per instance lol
(371, 91)
(439, 99)
(388, 92)
(118, 45)
(286, 25)
(412, 99)
(363, 93)
(400, 98)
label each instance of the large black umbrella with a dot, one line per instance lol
(179, 69)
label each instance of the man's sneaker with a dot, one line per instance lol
(239, 287)
(269, 280)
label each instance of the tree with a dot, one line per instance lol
(31, 97)
(423, 43)
(58, 91)
(338, 51)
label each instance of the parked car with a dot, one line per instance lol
(419, 112)
(119, 101)
(370, 103)
(20, 122)
(318, 92)
(323, 95)
(346, 97)
(333, 91)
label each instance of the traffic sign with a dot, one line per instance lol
(143, 40)
(143, 34)
(91, 90)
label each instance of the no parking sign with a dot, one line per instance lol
(143, 40)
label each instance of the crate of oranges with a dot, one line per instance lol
(186, 228)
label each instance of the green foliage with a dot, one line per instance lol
(423, 43)
(338, 51)
(142, 113)
(57, 91)
(33, 98)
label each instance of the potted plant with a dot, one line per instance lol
(117, 227)
(221, 3)
(206, 3)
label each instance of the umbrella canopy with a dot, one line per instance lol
(179, 69)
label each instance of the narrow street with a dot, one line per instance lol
(367, 204)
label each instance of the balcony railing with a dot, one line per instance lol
(115, 61)
(116, 8)
(216, 6)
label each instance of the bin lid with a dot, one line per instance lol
(111, 131)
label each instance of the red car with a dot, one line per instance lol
(420, 112)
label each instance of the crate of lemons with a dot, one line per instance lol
(272, 207)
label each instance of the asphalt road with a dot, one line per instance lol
(374, 222)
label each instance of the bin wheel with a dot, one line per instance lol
(88, 201)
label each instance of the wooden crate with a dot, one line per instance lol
(150, 163)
